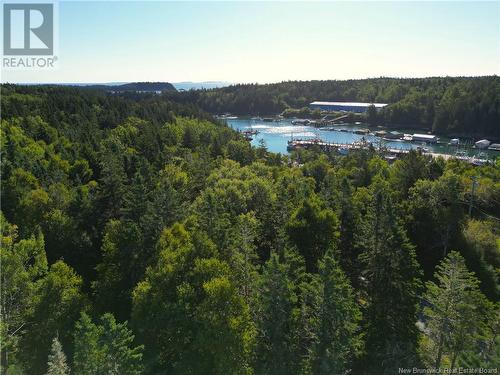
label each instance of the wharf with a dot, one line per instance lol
(344, 148)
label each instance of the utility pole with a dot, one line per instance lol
(473, 189)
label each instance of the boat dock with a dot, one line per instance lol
(390, 153)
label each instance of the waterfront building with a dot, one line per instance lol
(428, 138)
(345, 106)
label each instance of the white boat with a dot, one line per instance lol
(494, 147)
(422, 149)
(300, 122)
(482, 144)
(407, 138)
(362, 131)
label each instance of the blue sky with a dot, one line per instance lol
(271, 41)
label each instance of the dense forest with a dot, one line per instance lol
(134, 86)
(465, 106)
(141, 236)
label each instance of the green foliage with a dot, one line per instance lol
(230, 259)
(275, 353)
(483, 255)
(190, 312)
(57, 304)
(314, 230)
(436, 218)
(372, 115)
(392, 286)
(338, 340)
(23, 264)
(456, 313)
(106, 348)
(57, 364)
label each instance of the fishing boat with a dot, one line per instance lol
(362, 131)
(300, 122)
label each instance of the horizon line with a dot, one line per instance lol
(111, 83)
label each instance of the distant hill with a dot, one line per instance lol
(115, 86)
(141, 86)
(200, 85)
(138, 86)
(120, 86)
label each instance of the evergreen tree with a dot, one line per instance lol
(122, 267)
(371, 115)
(113, 178)
(57, 360)
(456, 311)
(105, 349)
(277, 300)
(121, 357)
(88, 356)
(243, 257)
(308, 323)
(392, 287)
(339, 316)
(348, 220)
(314, 230)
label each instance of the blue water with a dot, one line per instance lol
(277, 134)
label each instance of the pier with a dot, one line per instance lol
(344, 148)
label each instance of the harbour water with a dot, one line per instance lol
(276, 135)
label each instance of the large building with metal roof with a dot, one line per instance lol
(345, 106)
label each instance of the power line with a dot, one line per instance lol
(480, 210)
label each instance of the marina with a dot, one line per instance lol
(285, 135)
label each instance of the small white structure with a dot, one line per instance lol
(454, 142)
(428, 138)
(345, 106)
(482, 144)
(407, 138)
(494, 147)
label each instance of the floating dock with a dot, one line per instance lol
(343, 148)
